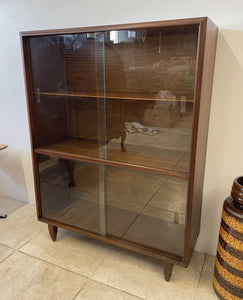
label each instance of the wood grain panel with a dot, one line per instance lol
(208, 41)
(137, 157)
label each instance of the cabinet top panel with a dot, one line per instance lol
(165, 23)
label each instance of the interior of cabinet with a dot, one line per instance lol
(134, 206)
(121, 96)
(158, 147)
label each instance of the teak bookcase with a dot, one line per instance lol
(118, 122)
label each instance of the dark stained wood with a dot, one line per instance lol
(167, 268)
(86, 120)
(206, 59)
(154, 24)
(161, 255)
(71, 166)
(53, 232)
(31, 118)
(118, 96)
(49, 128)
(141, 67)
(117, 92)
(159, 161)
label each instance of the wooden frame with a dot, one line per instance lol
(203, 89)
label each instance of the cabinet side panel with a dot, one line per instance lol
(202, 134)
(31, 115)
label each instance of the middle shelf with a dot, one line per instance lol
(145, 135)
(144, 157)
(115, 96)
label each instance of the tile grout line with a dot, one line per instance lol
(100, 282)
(100, 265)
(25, 243)
(22, 245)
(200, 276)
(117, 289)
(2, 196)
(51, 263)
(92, 279)
(145, 205)
(1, 244)
(84, 285)
(17, 249)
(84, 276)
(8, 256)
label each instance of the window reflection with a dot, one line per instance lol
(126, 36)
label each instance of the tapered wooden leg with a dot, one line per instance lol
(168, 267)
(53, 232)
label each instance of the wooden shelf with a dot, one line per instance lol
(154, 160)
(121, 96)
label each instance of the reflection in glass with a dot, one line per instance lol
(64, 186)
(139, 207)
(124, 96)
(147, 209)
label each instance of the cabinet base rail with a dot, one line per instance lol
(167, 267)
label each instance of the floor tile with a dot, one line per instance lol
(76, 215)
(25, 277)
(86, 175)
(5, 252)
(164, 215)
(205, 287)
(124, 185)
(98, 291)
(139, 187)
(143, 276)
(118, 220)
(71, 251)
(20, 226)
(176, 180)
(174, 138)
(157, 233)
(171, 197)
(8, 205)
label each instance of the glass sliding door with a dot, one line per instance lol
(68, 92)
(111, 106)
(150, 86)
(64, 186)
(146, 209)
(68, 99)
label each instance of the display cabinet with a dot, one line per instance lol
(118, 122)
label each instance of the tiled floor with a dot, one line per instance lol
(75, 267)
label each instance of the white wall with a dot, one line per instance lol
(225, 142)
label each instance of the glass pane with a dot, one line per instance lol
(68, 92)
(150, 86)
(64, 186)
(146, 209)
(125, 96)
(150, 134)
(153, 63)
